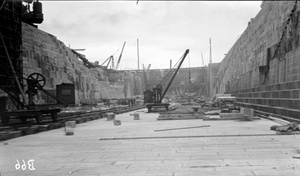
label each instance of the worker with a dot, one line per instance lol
(108, 103)
(157, 93)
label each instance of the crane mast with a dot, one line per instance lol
(154, 98)
(120, 56)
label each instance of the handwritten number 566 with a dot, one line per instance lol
(23, 166)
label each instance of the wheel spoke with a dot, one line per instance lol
(37, 79)
(39, 119)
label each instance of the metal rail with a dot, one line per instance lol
(17, 129)
(275, 117)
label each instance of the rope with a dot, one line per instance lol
(163, 81)
(2, 5)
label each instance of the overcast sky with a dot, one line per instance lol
(164, 29)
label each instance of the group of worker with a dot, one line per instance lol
(131, 101)
(123, 101)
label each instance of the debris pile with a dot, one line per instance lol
(183, 113)
(287, 127)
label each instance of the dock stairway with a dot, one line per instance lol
(281, 99)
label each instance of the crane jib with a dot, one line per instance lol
(169, 84)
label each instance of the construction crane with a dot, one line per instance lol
(108, 60)
(154, 98)
(202, 59)
(205, 83)
(146, 81)
(120, 56)
(12, 80)
(111, 60)
(147, 67)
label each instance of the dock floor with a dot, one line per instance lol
(98, 147)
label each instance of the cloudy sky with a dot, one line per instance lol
(165, 29)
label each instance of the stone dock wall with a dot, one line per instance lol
(263, 67)
(187, 80)
(43, 53)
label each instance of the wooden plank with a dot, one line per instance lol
(182, 128)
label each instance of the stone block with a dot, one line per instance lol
(136, 116)
(231, 115)
(110, 116)
(69, 126)
(117, 122)
(69, 131)
(247, 112)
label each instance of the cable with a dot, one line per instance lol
(2, 5)
(189, 71)
(170, 72)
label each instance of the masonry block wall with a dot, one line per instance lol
(263, 67)
(187, 79)
(45, 54)
(133, 84)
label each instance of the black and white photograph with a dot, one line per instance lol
(149, 88)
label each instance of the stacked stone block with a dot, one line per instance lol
(241, 66)
(44, 53)
(282, 99)
(263, 67)
(155, 76)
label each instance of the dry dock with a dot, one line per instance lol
(134, 148)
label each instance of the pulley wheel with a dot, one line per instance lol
(39, 119)
(37, 79)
